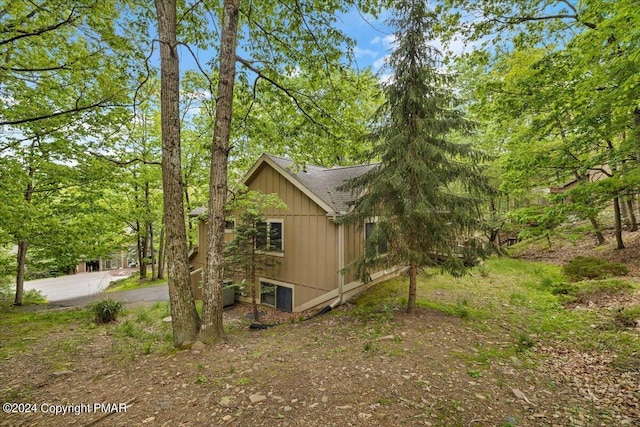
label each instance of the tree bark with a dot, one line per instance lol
(596, 228)
(618, 220)
(22, 259)
(211, 329)
(152, 254)
(184, 316)
(413, 282)
(23, 245)
(161, 252)
(632, 215)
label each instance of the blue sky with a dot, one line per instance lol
(374, 38)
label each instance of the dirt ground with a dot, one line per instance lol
(333, 370)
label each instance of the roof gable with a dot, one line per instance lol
(318, 183)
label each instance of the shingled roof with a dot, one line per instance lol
(317, 181)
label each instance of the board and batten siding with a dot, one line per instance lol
(310, 239)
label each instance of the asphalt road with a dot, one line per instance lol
(83, 288)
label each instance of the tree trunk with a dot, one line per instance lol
(618, 220)
(161, 252)
(632, 215)
(142, 253)
(152, 254)
(183, 309)
(23, 245)
(413, 281)
(211, 328)
(624, 215)
(596, 228)
(22, 259)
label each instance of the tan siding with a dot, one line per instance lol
(310, 239)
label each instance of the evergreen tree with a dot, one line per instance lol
(426, 189)
(251, 251)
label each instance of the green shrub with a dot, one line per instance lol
(29, 296)
(106, 311)
(627, 316)
(581, 268)
(591, 291)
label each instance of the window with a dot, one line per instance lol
(269, 236)
(371, 232)
(280, 297)
(229, 225)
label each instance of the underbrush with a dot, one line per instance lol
(138, 331)
(521, 300)
(133, 282)
(29, 297)
(582, 267)
(590, 291)
(142, 331)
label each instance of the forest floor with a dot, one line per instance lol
(494, 348)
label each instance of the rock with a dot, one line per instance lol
(198, 345)
(257, 398)
(363, 416)
(167, 319)
(226, 418)
(520, 395)
(62, 373)
(226, 401)
(165, 405)
(287, 408)
(324, 399)
(480, 397)
(313, 405)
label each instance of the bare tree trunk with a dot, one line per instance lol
(413, 281)
(152, 254)
(144, 248)
(211, 329)
(618, 220)
(161, 254)
(624, 215)
(184, 316)
(632, 215)
(596, 228)
(22, 259)
(23, 245)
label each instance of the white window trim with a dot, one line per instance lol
(280, 252)
(277, 283)
(230, 230)
(372, 220)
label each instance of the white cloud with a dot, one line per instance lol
(386, 42)
(361, 53)
(380, 63)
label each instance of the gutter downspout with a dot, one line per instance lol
(340, 266)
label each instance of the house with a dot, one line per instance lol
(593, 175)
(313, 247)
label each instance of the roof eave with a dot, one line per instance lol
(289, 177)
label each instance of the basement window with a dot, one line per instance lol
(280, 297)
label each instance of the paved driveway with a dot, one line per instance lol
(83, 288)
